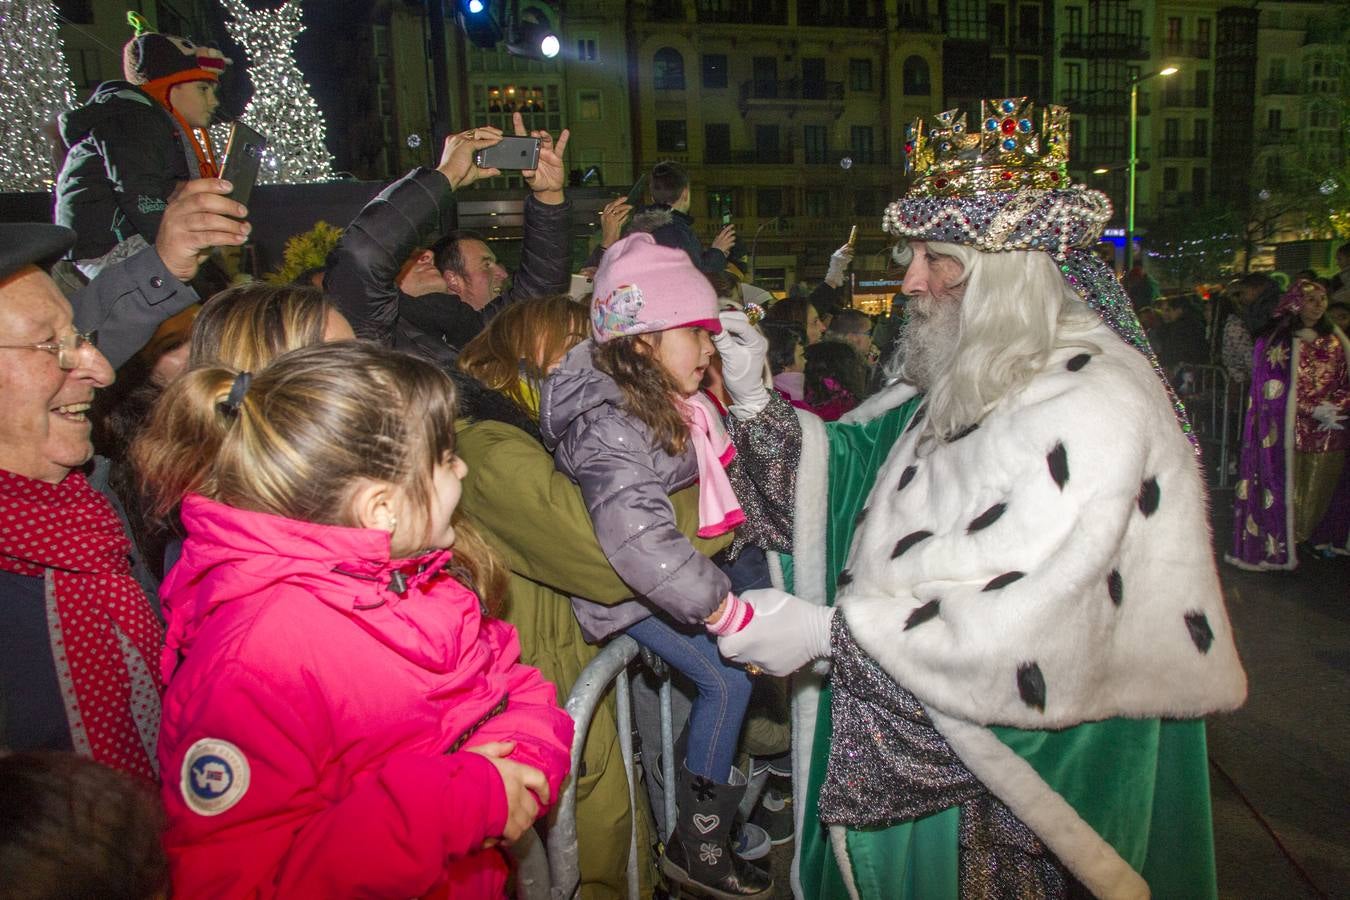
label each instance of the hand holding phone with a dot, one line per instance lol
(512, 152)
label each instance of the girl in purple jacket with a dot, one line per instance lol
(343, 716)
(625, 418)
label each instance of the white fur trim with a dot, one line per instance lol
(839, 842)
(1010, 778)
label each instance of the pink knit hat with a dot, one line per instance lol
(642, 286)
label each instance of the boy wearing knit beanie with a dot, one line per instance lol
(132, 143)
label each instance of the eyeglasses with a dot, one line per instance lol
(66, 350)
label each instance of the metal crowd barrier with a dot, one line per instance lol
(1215, 403)
(549, 870)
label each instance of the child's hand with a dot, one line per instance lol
(526, 787)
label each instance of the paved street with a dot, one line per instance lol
(1280, 767)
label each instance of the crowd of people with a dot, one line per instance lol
(299, 576)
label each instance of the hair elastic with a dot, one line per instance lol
(237, 392)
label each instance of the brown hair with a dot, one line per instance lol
(70, 827)
(519, 345)
(791, 311)
(648, 392)
(307, 430)
(248, 326)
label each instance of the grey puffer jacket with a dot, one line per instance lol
(625, 478)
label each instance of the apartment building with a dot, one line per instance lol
(789, 114)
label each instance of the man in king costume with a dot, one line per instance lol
(1013, 581)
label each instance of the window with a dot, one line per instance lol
(1171, 137)
(769, 202)
(865, 203)
(590, 106)
(860, 75)
(965, 20)
(1134, 22)
(766, 76)
(813, 78)
(1171, 178)
(817, 203)
(1202, 88)
(915, 77)
(716, 142)
(1029, 76)
(714, 70)
(671, 136)
(379, 40)
(1029, 24)
(766, 143)
(586, 49)
(1202, 35)
(1274, 119)
(860, 139)
(998, 23)
(816, 139)
(719, 204)
(1073, 79)
(1173, 29)
(1201, 133)
(1073, 19)
(1199, 185)
(668, 70)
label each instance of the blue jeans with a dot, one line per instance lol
(718, 709)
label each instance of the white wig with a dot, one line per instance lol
(1017, 309)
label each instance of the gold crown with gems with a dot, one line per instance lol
(1007, 152)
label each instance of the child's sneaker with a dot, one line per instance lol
(750, 841)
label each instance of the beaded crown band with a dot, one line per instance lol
(1002, 186)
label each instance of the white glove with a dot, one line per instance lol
(839, 261)
(743, 350)
(785, 633)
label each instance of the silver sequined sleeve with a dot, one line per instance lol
(764, 473)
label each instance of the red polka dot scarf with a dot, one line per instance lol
(105, 637)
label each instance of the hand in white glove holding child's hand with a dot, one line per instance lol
(785, 633)
(743, 350)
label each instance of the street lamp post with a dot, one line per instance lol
(1134, 159)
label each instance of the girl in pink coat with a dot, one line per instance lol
(343, 716)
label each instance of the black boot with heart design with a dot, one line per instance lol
(699, 854)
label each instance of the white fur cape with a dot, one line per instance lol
(1051, 567)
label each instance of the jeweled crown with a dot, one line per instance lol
(1007, 152)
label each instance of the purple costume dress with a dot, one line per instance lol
(1291, 378)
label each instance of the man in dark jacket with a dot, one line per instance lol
(433, 301)
(80, 648)
(132, 144)
(668, 220)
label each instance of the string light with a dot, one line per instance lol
(282, 107)
(35, 88)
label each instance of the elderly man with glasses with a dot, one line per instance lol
(79, 652)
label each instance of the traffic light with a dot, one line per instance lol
(480, 25)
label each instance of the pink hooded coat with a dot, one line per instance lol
(311, 710)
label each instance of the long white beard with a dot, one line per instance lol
(932, 330)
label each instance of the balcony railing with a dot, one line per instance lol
(1185, 149)
(763, 156)
(1126, 46)
(1277, 137)
(792, 90)
(910, 20)
(761, 12)
(1185, 99)
(1281, 86)
(1192, 49)
(1109, 103)
(666, 10)
(838, 19)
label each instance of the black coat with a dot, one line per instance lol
(411, 213)
(672, 228)
(126, 155)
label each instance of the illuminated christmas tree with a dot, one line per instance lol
(282, 107)
(35, 88)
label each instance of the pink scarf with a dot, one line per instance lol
(718, 509)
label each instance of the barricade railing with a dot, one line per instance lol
(1215, 403)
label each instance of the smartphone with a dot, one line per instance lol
(512, 153)
(580, 287)
(243, 158)
(638, 193)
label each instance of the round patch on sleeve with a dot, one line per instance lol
(214, 777)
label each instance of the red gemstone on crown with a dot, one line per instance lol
(1009, 126)
(941, 182)
(1006, 176)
